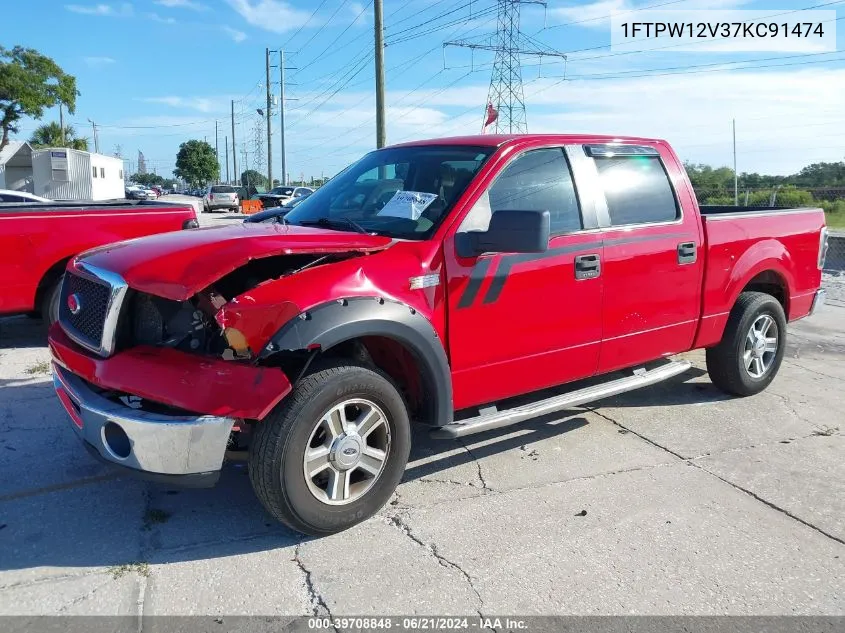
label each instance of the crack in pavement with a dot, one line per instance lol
(773, 506)
(756, 497)
(85, 597)
(397, 522)
(639, 435)
(47, 579)
(788, 402)
(789, 361)
(432, 480)
(314, 597)
(484, 485)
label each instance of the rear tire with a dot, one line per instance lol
(50, 301)
(749, 355)
(322, 416)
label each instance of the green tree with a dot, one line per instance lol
(148, 180)
(29, 83)
(196, 163)
(50, 135)
(253, 181)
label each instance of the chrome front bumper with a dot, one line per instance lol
(818, 301)
(139, 440)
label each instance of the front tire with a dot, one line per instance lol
(331, 454)
(50, 301)
(749, 355)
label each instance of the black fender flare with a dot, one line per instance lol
(334, 322)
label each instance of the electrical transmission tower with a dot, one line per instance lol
(509, 44)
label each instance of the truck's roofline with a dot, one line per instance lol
(495, 140)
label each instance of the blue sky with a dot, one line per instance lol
(154, 73)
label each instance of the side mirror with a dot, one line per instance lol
(509, 232)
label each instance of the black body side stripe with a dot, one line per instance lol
(479, 271)
(508, 261)
(476, 278)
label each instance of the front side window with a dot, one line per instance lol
(637, 189)
(538, 180)
(400, 192)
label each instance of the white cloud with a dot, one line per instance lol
(122, 10)
(272, 15)
(596, 15)
(182, 4)
(236, 35)
(155, 17)
(99, 61)
(201, 104)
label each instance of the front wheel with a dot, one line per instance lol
(751, 350)
(50, 301)
(331, 454)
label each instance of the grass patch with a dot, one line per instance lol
(39, 368)
(119, 571)
(835, 220)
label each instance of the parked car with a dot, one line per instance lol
(220, 197)
(10, 195)
(279, 196)
(31, 269)
(553, 258)
(137, 192)
(275, 214)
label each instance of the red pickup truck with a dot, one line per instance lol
(38, 239)
(444, 281)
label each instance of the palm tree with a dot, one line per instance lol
(50, 135)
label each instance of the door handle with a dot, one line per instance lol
(687, 252)
(587, 266)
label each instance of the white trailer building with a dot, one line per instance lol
(67, 174)
(16, 166)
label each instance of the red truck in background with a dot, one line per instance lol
(445, 281)
(38, 239)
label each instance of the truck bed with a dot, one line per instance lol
(742, 242)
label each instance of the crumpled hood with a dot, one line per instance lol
(177, 265)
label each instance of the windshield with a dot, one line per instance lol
(399, 192)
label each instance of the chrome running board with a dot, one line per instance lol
(491, 418)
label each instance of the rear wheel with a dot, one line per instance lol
(50, 301)
(331, 454)
(751, 350)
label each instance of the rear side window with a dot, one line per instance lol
(538, 180)
(637, 189)
(223, 189)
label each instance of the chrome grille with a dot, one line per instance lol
(96, 296)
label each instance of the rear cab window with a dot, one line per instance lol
(635, 185)
(223, 189)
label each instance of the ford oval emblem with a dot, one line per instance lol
(74, 304)
(350, 451)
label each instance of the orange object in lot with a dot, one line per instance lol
(249, 207)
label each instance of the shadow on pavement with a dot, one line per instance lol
(22, 332)
(61, 520)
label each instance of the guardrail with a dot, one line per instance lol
(835, 251)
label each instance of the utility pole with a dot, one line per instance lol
(96, 140)
(269, 134)
(378, 23)
(234, 158)
(226, 142)
(62, 123)
(736, 181)
(217, 150)
(282, 113)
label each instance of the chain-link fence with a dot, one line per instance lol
(835, 259)
(831, 199)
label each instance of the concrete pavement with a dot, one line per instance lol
(671, 500)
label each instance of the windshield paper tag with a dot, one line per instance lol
(408, 204)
